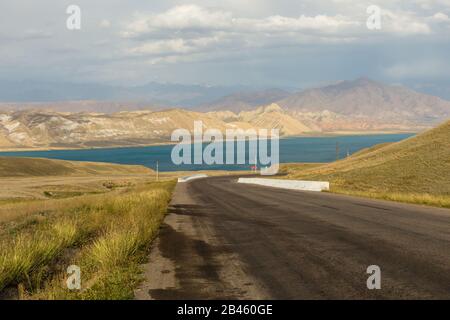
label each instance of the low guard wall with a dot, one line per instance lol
(196, 176)
(288, 184)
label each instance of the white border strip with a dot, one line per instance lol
(194, 177)
(289, 184)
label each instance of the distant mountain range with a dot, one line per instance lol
(96, 106)
(244, 101)
(153, 93)
(358, 106)
(367, 99)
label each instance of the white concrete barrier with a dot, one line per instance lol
(289, 184)
(193, 177)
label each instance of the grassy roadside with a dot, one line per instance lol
(413, 198)
(415, 170)
(356, 187)
(107, 236)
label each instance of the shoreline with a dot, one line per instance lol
(168, 143)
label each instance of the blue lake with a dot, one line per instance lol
(298, 149)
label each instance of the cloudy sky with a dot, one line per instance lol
(273, 43)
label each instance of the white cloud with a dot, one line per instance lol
(174, 46)
(191, 29)
(185, 17)
(321, 23)
(188, 18)
(441, 17)
(105, 23)
(188, 29)
(404, 23)
(242, 40)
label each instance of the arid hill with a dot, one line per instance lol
(44, 129)
(359, 106)
(416, 166)
(364, 104)
(34, 167)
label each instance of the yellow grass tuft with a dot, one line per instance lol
(106, 233)
(27, 252)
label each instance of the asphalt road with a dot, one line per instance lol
(224, 240)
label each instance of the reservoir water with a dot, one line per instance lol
(298, 149)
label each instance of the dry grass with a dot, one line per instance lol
(414, 198)
(103, 234)
(415, 170)
(27, 252)
(29, 192)
(28, 167)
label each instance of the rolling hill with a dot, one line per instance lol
(47, 129)
(34, 167)
(273, 116)
(418, 167)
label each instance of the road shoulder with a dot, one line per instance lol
(189, 260)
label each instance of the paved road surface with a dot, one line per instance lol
(224, 240)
